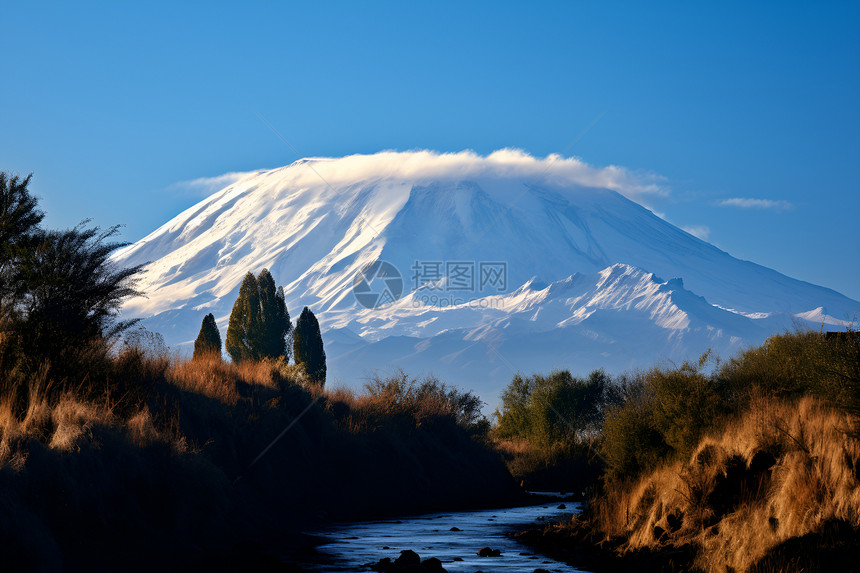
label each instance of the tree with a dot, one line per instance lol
(62, 293)
(208, 342)
(274, 318)
(67, 283)
(19, 223)
(244, 323)
(59, 292)
(514, 417)
(259, 323)
(308, 346)
(552, 409)
(145, 342)
(19, 215)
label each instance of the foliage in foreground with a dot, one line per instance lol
(746, 498)
(402, 395)
(559, 408)
(665, 412)
(547, 428)
(641, 420)
(750, 466)
(59, 297)
(200, 460)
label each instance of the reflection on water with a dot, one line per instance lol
(356, 544)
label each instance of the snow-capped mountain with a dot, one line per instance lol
(469, 267)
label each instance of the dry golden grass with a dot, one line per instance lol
(190, 458)
(61, 423)
(784, 469)
(214, 378)
(68, 424)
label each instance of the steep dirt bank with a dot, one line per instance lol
(778, 490)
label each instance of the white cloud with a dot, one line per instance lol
(504, 163)
(700, 231)
(208, 185)
(746, 203)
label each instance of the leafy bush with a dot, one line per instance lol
(686, 404)
(631, 441)
(796, 364)
(547, 426)
(558, 408)
(663, 412)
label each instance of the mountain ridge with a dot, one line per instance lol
(318, 226)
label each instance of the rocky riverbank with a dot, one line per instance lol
(460, 541)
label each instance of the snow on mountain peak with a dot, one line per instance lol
(494, 250)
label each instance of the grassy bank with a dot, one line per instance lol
(152, 460)
(754, 466)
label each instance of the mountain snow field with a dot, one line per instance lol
(468, 267)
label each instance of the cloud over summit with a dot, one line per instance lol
(425, 164)
(432, 165)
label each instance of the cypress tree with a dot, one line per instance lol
(308, 346)
(209, 340)
(245, 322)
(259, 322)
(274, 319)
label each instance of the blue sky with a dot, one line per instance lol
(749, 111)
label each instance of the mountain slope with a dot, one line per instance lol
(581, 262)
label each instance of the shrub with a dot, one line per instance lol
(552, 409)
(631, 442)
(768, 485)
(686, 404)
(661, 413)
(665, 412)
(419, 399)
(797, 364)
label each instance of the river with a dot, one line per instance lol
(351, 546)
